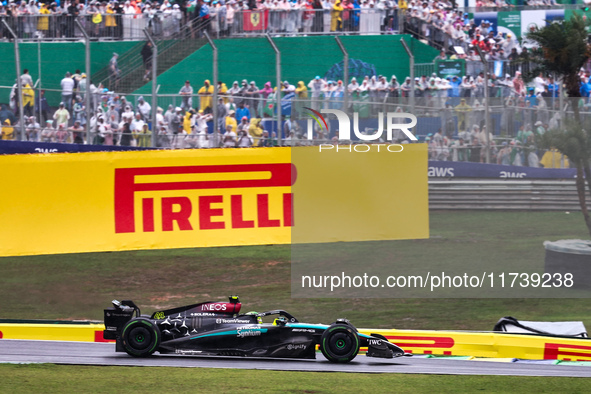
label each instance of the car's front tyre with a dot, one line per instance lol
(339, 343)
(140, 337)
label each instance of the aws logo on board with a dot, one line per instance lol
(441, 172)
(510, 174)
(207, 197)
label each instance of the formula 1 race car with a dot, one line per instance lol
(217, 328)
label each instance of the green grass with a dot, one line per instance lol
(82, 379)
(79, 286)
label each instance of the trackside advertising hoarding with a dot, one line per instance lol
(111, 201)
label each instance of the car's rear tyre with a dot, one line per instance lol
(140, 337)
(339, 343)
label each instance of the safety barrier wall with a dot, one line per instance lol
(460, 169)
(443, 343)
(505, 195)
(19, 147)
(91, 332)
(488, 344)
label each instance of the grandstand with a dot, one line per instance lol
(304, 36)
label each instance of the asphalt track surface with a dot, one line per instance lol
(89, 353)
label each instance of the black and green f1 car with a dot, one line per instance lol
(218, 328)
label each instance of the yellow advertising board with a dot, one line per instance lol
(488, 344)
(53, 332)
(108, 201)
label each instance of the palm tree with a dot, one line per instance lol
(563, 49)
(574, 141)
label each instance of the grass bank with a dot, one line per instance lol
(79, 286)
(82, 379)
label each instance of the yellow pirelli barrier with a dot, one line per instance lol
(110, 201)
(488, 344)
(104, 201)
(438, 343)
(53, 332)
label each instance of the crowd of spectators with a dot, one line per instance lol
(470, 146)
(520, 113)
(449, 28)
(117, 121)
(527, 109)
(437, 20)
(244, 107)
(34, 19)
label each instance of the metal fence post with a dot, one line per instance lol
(487, 113)
(345, 73)
(215, 81)
(278, 93)
(155, 130)
(411, 63)
(561, 101)
(554, 98)
(40, 82)
(19, 85)
(88, 71)
(487, 106)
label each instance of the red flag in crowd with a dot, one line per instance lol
(255, 20)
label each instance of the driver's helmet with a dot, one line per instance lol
(253, 313)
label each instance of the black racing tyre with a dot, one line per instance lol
(140, 337)
(339, 343)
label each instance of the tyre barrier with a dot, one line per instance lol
(418, 342)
